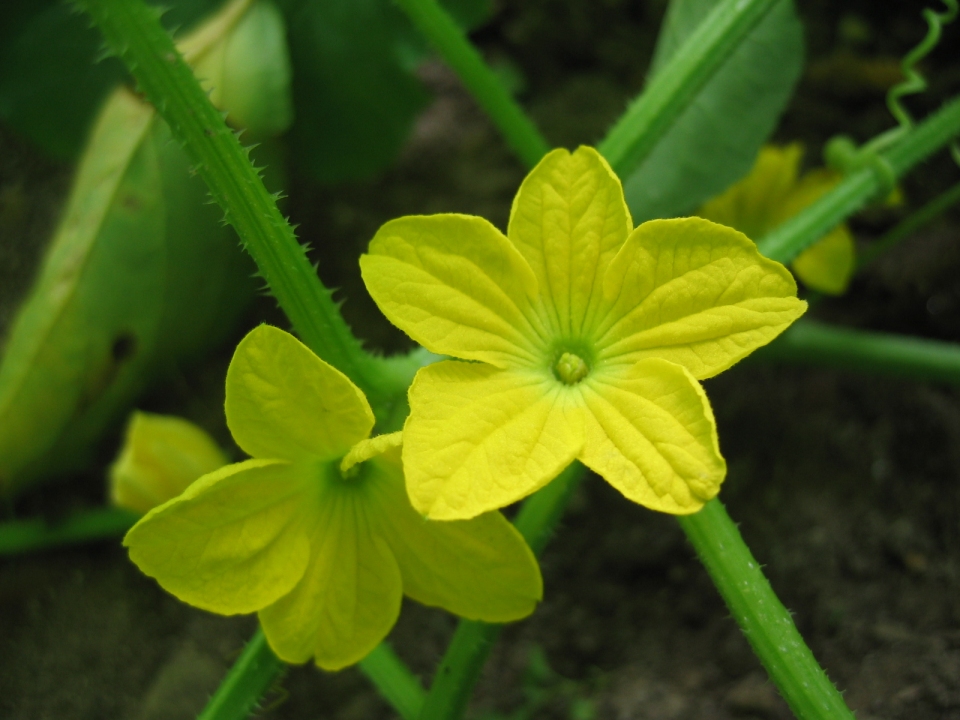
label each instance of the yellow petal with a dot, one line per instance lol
(757, 203)
(479, 438)
(480, 569)
(457, 286)
(349, 597)
(285, 402)
(695, 293)
(233, 542)
(569, 219)
(366, 449)
(651, 434)
(161, 456)
(828, 264)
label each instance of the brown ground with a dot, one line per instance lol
(847, 487)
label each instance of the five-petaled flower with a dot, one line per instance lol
(587, 339)
(316, 532)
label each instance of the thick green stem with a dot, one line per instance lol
(671, 91)
(812, 342)
(133, 31)
(449, 40)
(21, 536)
(859, 187)
(472, 641)
(764, 620)
(911, 224)
(248, 680)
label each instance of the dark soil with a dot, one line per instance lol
(846, 487)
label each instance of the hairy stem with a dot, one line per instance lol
(254, 672)
(132, 30)
(764, 620)
(461, 665)
(460, 54)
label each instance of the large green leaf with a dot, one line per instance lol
(140, 276)
(355, 94)
(716, 139)
(51, 84)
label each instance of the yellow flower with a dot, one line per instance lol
(161, 456)
(586, 339)
(774, 192)
(316, 533)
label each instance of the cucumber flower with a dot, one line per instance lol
(316, 533)
(585, 339)
(774, 191)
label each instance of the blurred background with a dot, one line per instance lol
(846, 486)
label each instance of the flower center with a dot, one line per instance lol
(571, 368)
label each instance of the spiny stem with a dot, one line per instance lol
(764, 620)
(460, 54)
(254, 672)
(472, 642)
(133, 31)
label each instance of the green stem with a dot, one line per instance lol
(133, 31)
(460, 54)
(672, 89)
(859, 187)
(248, 680)
(910, 224)
(764, 620)
(808, 341)
(394, 681)
(21, 536)
(472, 641)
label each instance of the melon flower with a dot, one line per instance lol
(316, 533)
(585, 339)
(774, 191)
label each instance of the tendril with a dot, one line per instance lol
(843, 155)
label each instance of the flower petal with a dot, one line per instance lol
(349, 597)
(481, 569)
(695, 293)
(651, 434)
(457, 286)
(233, 542)
(285, 402)
(569, 219)
(162, 455)
(759, 202)
(828, 264)
(479, 438)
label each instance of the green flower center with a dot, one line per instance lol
(571, 368)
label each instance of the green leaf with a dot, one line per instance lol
(51, 85)
(139, 277)
(354, 99)
(355, 94)
(715, 141)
